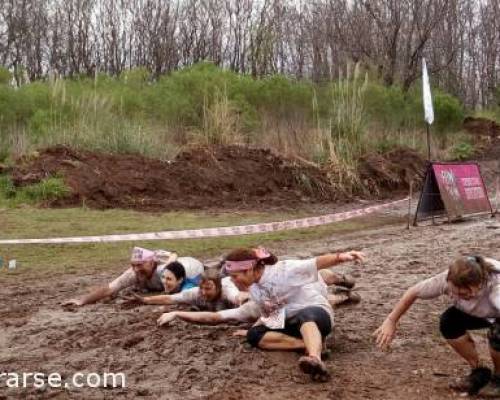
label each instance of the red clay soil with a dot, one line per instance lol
(392, 171)
(201, 178)
(481, 127)
(198, 178)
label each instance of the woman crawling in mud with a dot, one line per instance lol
(291, 301)
(150, 271)
(473, 285)
(214, 294)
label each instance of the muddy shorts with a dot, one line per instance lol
(293, 324)
(455, 323)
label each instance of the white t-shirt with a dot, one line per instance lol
(485, 305)
(286, 288)
(248, 312)
(229, 297)
(192, 266)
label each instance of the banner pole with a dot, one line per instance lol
(428, 142)
(496, 196)
(409, 204)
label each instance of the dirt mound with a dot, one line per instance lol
(219, 177)
(481, 127)
(392, 171)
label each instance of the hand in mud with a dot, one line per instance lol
(240, 332)
(385, 334)
(166, 318)
(356, 256)
(133, 299)
(73, 303)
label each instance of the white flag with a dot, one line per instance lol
(429, 111)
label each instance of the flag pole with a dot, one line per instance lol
(428, 113)
(428, 141)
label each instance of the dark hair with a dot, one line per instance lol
(244, 254)
(469, 271)
(214, 276)
(177, 269)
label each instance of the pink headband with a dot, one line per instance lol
(140, 255)
(237, 266)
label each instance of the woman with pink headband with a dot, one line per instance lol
(150, 271)
(292, 301)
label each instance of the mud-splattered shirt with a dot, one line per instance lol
(485, 305)
(229, 298)
(286, 288)
(248, 312)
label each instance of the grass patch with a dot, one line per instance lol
(38, 261)
(47, 189)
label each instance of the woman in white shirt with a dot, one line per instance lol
(292, 301)
(473, 286)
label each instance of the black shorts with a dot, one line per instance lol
(455, 323)
(314, 314)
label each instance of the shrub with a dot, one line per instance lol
(462, 151)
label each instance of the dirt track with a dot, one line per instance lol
(192, 362)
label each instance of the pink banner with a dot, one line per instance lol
(462, 188)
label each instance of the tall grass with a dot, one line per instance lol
(329, 123)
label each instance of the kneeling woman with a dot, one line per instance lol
(295, 312)
(473, 285)
(214, 294)
(150, 271)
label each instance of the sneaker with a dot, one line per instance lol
(492, 389)
(347, 282)
(343, 297)
(474, 382)
(315, 367)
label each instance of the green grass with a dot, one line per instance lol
(47, 189)
(39, 261)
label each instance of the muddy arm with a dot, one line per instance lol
(92, 297)
(386, 332)
(330, 260)
(163, 299)
(201, 317)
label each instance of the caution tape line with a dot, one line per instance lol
(214, 232)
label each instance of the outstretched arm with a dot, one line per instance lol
(387, 331)
(200, 317)
(330, 260)
(93, 297)
(163, 299)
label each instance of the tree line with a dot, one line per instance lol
(303, 38)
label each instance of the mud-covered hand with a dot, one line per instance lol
(133, 299)
(384, 335)
(166, 318)
(356, 256)
(72, 303)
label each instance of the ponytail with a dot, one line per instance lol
(469, 271)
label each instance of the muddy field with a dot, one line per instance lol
(194, 362)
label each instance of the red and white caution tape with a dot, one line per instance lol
(214, 232)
